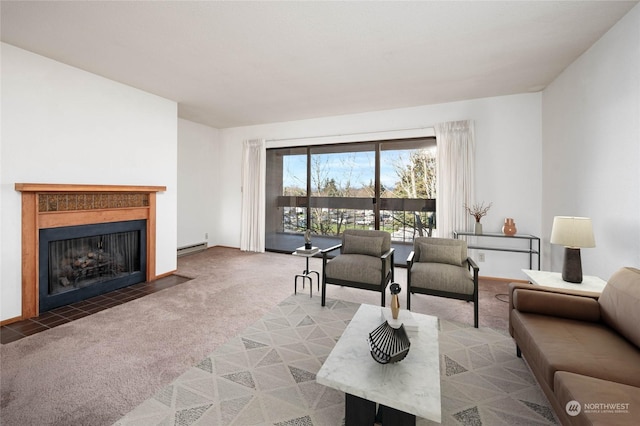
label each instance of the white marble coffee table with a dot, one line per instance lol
(410, 387)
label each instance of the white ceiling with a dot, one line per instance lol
(241, 63)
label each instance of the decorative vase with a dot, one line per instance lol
(509, 227)
(395, 300)
(478, 229)
(395, 306)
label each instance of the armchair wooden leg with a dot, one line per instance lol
(475, 314)
(408, 286)
(475, 309)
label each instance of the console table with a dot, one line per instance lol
(531, 250)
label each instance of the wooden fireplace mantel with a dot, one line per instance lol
(62, 187)
(47, 205)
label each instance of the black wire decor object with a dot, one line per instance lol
(389, 344)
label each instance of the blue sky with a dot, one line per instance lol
(360, 164)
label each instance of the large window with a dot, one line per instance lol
(408, 188)
(389, 185)
(342, 188)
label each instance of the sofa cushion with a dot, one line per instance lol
(556, 304)
(591, 393)
(357, 244)
(620, 303)
(552, 344)
(442, 277)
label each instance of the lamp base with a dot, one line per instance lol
(572, 266)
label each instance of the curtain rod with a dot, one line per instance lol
(348, 134)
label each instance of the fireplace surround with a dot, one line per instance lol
(47, 206)
(79, 262)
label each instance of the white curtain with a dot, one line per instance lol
(253, 195)
(455, 171)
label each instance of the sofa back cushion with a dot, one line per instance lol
(620, 302)
(538, 300)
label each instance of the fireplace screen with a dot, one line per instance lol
(80, 262)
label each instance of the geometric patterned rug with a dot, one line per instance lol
(266, 376)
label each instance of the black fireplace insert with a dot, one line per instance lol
(79, 262)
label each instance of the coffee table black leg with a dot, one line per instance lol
(359, 411)
(391, 417)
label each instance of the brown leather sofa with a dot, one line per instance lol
(583, 348)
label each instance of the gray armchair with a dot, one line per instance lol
(440, 267)
(365, 261)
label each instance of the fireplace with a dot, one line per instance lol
(79, 262)
(95, 218)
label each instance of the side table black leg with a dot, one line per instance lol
(358, 411)
(310, 285)
(317, 278)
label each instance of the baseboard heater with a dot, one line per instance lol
(193, 248)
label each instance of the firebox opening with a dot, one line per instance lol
(79, 262)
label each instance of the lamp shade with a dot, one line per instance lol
(569, 231)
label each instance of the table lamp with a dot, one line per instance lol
(573, 233)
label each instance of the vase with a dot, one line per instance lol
(395, 306)
(478, 229)
(509, 227)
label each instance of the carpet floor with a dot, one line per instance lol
(266, 376)
(96, 369)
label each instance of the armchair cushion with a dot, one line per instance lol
(452, 250)
(442, 277)
(439, 253)
(355, 267)
(357, 244)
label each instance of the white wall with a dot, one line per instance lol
(64, 125)
(508, 161)
(591, 149)
(198, 183)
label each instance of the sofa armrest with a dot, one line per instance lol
(581, 306)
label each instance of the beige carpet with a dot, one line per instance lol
(266, 376)
(96, 369)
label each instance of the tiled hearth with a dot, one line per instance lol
(64, 314)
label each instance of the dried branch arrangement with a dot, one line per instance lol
(478, 210)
